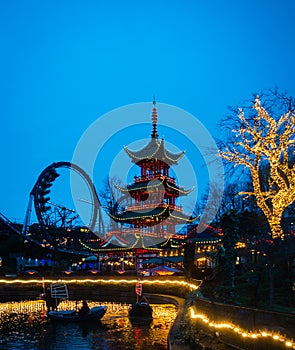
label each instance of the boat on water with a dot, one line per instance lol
(58, 292)
(94, 314)
(141, 309)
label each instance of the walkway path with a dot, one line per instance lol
(175, 341)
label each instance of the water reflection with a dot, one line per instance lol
(24, 325)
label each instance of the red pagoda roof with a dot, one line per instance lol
(130, 243)
(156, 150)
(156, 182)
(161, 212)
(114, 241)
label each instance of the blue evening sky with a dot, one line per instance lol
(63, 64)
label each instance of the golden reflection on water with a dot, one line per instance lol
(23, 323)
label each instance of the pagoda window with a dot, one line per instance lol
(165, 171)
(143, 171)
(158, 170)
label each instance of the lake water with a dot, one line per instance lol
(25, 326)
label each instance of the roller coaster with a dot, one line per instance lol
(58, 227)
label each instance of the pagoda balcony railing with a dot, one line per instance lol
(153, 177)
(154, 206)
(137, 232)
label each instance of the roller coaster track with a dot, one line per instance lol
(96, 205)
(11, 227)
(8, 227)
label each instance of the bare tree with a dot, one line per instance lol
(211, 206)
(264, 145)
(111, 197)
(230, 200)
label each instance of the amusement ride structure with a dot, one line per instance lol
(58, 228)
(151, 211)
(47, 211)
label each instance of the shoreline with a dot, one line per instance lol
(28, 289)
(185, 329)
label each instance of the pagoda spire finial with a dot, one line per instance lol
(154, 120)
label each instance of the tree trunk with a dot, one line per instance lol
(275, 225)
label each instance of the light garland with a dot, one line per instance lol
(151, 156)
(152, 216)
(192, 286)
(129, 188)
(145, 188)
(182, 191)
(141, 216)
(118, 249)
(136, 208)
(242, 332)
(182, 218)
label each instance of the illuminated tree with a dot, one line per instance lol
(265, 145)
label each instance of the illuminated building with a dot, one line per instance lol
(152, 196)
(150, 214)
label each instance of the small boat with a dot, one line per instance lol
(58, 292)
(94, 314)
(141, 309)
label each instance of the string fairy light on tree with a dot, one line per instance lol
(266, 146)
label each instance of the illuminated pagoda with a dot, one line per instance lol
(152, 207)
(149, 217)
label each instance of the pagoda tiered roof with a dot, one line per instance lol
(208, 234)
(115, 243)
(149, 217)
(146, 184)
(154, 150)
(151, 198)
